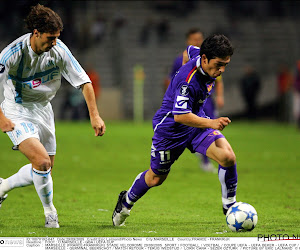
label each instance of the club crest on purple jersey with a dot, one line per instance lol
(184, 90)
(209, 87)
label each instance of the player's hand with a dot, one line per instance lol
(220, 123)
(98, 125)
(6, 125)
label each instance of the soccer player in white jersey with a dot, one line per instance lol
(30, 71)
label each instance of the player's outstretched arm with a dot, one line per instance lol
(6, 124)
(96, 121)
(193, 120)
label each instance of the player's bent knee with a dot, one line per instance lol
(229, 159)
(43, 164)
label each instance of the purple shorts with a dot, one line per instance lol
(164, 154)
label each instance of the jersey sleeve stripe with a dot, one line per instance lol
(193, 71)
(74, 62)
(191, 76)
(181, 112)
(10, 52)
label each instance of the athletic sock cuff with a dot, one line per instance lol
(228, 168)
(42, 173)
(129, 206)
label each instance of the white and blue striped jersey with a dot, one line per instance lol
(31, 78)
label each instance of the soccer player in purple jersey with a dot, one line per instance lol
(181, 123)
(195, 37)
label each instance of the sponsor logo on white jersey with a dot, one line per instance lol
(37, 82)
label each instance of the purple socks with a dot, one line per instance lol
(228, 179)
(136, 191)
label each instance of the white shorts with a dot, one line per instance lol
(31, 121)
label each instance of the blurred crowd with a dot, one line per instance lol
(287, 104)
(97, 28)
(288, 81)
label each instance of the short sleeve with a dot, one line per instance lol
(8, 57)
(72, 71)
(193, 51)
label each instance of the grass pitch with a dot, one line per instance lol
(90, 172)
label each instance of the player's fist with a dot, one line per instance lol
(220, 123)
(98, 125)
(6, 125)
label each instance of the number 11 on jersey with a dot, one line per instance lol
(165, 156)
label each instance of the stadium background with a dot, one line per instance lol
(265, 34)
(90, 172)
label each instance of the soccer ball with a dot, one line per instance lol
(241, 217)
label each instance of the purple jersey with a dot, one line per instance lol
(209, 108)
(186, 93)
(192, 52)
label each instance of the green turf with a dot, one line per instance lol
(90, 172)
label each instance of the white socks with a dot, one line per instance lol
(22, 178)
(44, 187)
(26, 176)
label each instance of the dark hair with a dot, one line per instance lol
(216, 45)
(43, 19)
(192, 31)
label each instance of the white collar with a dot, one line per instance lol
(198, 64)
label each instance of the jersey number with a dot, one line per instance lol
(165, 155)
